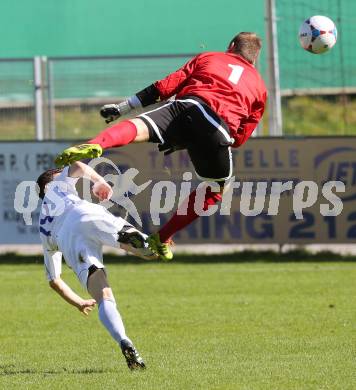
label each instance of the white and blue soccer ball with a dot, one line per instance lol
(318, 34)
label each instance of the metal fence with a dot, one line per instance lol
(59, 98)
(51, 98)
(17, 107)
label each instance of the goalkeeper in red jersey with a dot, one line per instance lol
(219, 99)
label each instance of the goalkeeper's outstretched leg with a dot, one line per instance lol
(123, 133)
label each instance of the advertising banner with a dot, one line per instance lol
(298, 190)
(22, 161)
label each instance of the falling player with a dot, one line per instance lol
(78, 229)
(219, 100)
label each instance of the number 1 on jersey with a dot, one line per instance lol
(236, 73)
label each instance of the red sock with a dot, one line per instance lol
(118, 135)
(178, 222)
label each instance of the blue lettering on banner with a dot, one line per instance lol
(263, 162)
(205, 221)
(230, 222)
(2, 162)
(264, 231)
(299, 231)
(351, 232)
(191, 230)
(248, 160)
(184, 160)
(331, 226)
(293, 158)
(13, 162)
(344, 170)
(44, 161)
(277, 162)
(260, 158)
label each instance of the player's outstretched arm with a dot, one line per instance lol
(85, 306)
(101, 189)
(111, 112)
(160, 90)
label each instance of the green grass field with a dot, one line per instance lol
(199, 323)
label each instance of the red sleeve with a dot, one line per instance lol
(171, 84)
(247, 126)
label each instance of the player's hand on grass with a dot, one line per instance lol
(102, 190)
(87, 306)
(110, 112)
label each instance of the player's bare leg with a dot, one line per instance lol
(99, 289)
(123, 133)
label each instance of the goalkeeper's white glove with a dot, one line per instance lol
(111, 112)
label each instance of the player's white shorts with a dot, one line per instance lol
(83, 234)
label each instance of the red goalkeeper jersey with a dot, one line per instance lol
(229, 84)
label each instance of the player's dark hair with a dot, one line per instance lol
(246, 44)
(45, 178)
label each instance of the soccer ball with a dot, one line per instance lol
(318, 34)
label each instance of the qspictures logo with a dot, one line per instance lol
(255, 197)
